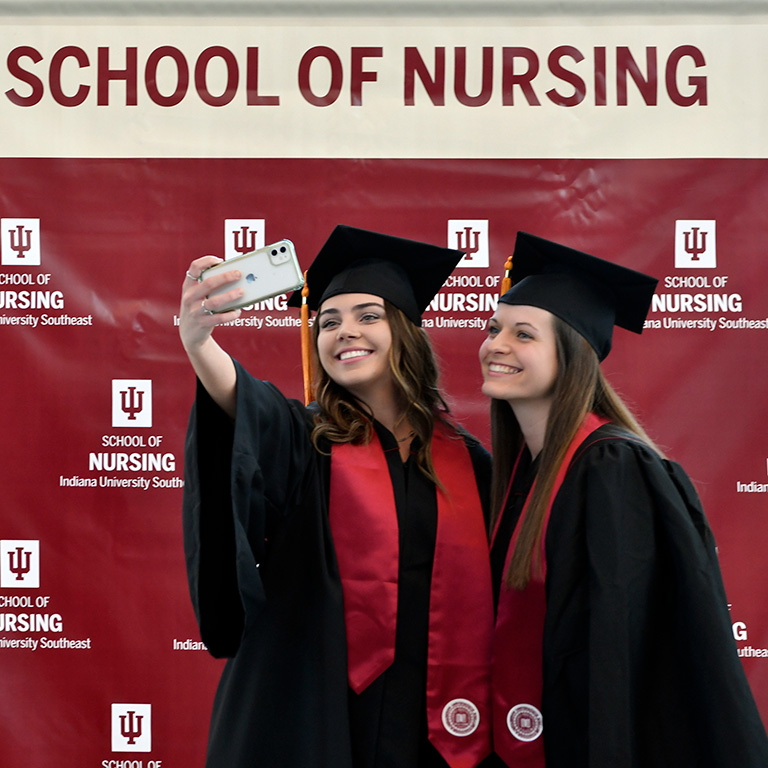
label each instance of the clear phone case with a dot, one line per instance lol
(266, 272)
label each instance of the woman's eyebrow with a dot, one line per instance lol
(356, 308)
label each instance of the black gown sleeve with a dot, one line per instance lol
(640, 664)
(240, 477)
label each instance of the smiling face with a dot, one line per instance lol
(353, 343)
(519, 356)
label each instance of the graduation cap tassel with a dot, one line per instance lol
(306, 347)
(506, 282)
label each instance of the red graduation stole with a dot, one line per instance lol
(517, 667)
(365, 533)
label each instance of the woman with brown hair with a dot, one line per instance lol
(337, 553)
(613, 646)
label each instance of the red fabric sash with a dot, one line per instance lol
(517, 668)
(365, 534)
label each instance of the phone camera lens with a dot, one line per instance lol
(274, 252)
(282, 249)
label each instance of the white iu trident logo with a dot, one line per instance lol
(131, 402)
(20, 240)
(20, 564)
(470, 236)
(243, 236)
(131, 727)
(695, 246)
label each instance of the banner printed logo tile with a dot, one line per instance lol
(131, 727)
(19, 564)
(695, 246)
(20, 242)
(131, 402)
(243, 236)
(470, 236)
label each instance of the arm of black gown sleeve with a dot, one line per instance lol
(241, 478)
(731, 728)
(209, 539)
(622, 568)
(664, 674)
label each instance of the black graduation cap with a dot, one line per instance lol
(407, 273)
(590, 294)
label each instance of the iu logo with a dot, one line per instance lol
(131, 727)
(695, 246)
(243, 236)
(19, 564)
(470, 236)
(131, 402)
(20, 240)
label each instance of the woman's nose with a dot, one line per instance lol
(346, 329)
(498, 341)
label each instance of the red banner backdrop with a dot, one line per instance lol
(96, 627)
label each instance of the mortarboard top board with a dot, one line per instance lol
(407, 273)
(590, 294)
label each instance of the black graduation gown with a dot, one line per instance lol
(640, 666)
(265, 587)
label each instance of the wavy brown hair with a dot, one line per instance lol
(342, 418)
(580, 388)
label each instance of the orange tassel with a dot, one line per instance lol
(306, 346)
(506, 282)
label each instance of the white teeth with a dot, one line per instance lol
(354, 353)
(498, 368)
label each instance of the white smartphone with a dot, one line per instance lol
(266, 272)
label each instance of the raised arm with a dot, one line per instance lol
(211, 363)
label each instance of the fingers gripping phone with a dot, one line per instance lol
(266, 272)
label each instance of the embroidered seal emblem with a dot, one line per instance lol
(525, 722)
(460, 717)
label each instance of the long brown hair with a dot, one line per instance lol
(580, 388)
(342, 418)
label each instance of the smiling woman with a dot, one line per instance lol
(353, 347)
(605, 570)
(519, 357)
(337, 553)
